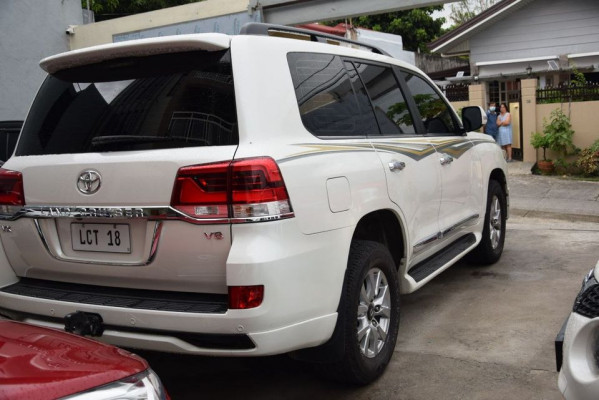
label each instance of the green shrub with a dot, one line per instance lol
(559, 132)
(588, 161)
(557, 135)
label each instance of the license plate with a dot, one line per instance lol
(107, 238)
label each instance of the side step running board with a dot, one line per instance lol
(438, 260)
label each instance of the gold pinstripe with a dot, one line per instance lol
(416, 149)
(453, 147)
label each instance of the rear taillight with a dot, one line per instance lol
(11, 188)
(201, 191)
(242, 190)
(244, 297)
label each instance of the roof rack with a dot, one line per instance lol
(257, 28)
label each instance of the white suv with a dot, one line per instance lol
(241, 196)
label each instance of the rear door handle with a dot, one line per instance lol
(445, 159)
(397, 165)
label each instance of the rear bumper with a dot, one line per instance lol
(281, 340)
(302, 276)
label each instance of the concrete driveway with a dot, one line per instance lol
(552, 197)
(487, 333)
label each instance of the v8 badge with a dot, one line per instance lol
(215, 235)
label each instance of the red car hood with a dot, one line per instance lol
(41, 363)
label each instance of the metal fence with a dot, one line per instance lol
(568, 93)
(457, 92)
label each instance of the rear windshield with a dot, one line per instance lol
(137, 103)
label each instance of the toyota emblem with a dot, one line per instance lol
(89, 182)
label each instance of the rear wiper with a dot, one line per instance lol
(129, 139)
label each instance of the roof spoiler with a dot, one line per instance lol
(135, 48)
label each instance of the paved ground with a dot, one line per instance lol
(472, 333)
(552, 197)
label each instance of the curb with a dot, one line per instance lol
(554, 215)
(519, 168)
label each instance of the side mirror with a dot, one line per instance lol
(472, 117)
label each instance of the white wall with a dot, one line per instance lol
(29, 31)
(392, 44)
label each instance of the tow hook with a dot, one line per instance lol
(84, 324)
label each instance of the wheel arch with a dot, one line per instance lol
(499, 175)
(385, 227)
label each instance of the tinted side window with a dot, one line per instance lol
(326, 99)
(435, 113)
(366, 120)
(389, 104)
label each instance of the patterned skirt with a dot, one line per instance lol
(504, 136)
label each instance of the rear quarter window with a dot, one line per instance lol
(329, 104)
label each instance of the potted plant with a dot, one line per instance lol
(538, 140)
(557, 137)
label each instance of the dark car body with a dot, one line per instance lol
(9, 133)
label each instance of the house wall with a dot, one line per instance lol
(543, 28)
(458, 105)
(582, 118)
(29, 31)
(431, 63)
(529, 118)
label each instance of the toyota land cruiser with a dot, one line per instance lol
(241, 196)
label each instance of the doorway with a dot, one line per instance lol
(509, 92)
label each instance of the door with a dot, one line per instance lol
(414, 184)
(453, 159)
(409, 159)
(509, 92)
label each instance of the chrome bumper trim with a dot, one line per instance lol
(12, 213)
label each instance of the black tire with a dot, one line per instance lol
(490, 247)
(366, 312)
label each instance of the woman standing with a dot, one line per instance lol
(504, 136)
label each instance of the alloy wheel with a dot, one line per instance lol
(374, 313)
(495, 231)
